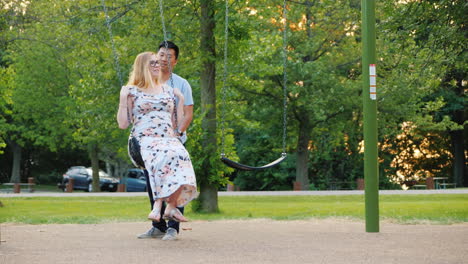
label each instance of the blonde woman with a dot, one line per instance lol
(150, 107)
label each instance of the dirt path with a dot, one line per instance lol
(251, 241)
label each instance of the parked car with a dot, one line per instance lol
(83, 179)
(136, 180)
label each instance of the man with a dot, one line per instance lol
(168, 55)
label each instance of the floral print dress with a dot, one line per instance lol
(166, 159)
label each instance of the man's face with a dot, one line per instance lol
(167, 57)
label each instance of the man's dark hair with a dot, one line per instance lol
(170, 45)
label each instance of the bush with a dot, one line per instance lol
(50, 178)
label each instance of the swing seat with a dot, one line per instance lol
(134, 152)
(243, 167)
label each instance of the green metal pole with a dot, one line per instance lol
(371, 174)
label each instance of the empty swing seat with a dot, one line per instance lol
(243, 167)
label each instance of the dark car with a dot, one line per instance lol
(135, 180)
(83, 179)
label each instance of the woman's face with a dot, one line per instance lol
(154, 66)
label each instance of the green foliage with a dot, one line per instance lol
(5, 106)
(417, 155)
(59, 84)
(219, 175)
(319, 93)
(424, 51)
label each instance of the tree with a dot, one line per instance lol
(29, 122)
(424, 80)
(320, 45)
(208, 191)
(442, 26)
(46, 65)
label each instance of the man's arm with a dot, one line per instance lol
(188, 116)
(186, 90)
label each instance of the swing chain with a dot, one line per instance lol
(225, 74)
(285, 79)
(223, 89)
(161, 11)
(111, 36)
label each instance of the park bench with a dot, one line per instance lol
(416, 184)
(16, 187)
(446, 185)
(433, 183)
(420, 184)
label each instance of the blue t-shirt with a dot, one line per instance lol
(184, 87)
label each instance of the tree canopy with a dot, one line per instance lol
(59, 86)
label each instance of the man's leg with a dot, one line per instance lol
(173, 228)
(175, 224)
(159, 228)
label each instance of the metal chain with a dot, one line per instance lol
(161, 11)
(285, 77)
(223, 89)
(114, 52)
(111, 36)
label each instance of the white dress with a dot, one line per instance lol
(166, 159)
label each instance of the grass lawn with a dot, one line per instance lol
(408, 209)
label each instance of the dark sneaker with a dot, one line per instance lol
(171, 234)
(152, 233)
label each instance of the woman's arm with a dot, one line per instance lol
(124, 114)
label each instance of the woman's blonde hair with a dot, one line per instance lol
(140, 74)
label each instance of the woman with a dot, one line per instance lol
(151, 107)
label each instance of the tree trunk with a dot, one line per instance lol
(302, 175)
(208, 198)
(302, 167)
(93, 155)
(458, 140)
(209, 194)
(458, 146)
(16, 170)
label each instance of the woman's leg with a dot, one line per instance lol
(155, 214)
(161, 225)
(171, 211)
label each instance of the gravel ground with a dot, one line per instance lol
(237, 241)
